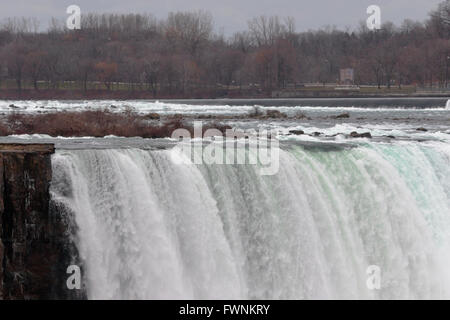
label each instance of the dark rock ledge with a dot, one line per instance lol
(34, 246)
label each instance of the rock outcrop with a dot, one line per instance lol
(342, 116)
(297, 132)
(355, 134)
(34, 246)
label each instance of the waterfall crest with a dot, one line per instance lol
(149, 228)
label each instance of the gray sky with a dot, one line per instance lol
(232, 15)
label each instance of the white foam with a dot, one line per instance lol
(153, 229)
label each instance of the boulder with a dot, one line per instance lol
(342, 116)
(275, 114)
(355, 134)
(152, 116)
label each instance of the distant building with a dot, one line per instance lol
(347, 76)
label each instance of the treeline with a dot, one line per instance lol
(183, 54)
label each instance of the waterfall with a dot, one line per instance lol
(152, 229)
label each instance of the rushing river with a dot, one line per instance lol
(150, 228)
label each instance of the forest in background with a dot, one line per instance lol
(182, 56)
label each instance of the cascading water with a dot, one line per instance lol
(150, 228)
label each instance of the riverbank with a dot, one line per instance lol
(69, 94)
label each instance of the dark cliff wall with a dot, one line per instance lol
(34, 247)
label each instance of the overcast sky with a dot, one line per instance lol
(232, 15)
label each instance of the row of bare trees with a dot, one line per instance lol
(182, 53)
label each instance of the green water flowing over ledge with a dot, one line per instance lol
(149, 228)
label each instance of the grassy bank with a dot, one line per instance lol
(121, 91)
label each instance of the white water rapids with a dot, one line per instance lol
(150, 228)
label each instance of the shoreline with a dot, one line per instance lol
(117, 95)
(143, 105)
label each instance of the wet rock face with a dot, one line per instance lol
(2, 250)
(34, 246)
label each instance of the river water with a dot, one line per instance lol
(151, 228)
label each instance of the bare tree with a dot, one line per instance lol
(152, 71)
(265, 30)
(34, 66)
(15, 56)
(191, 29)
(106, 72)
